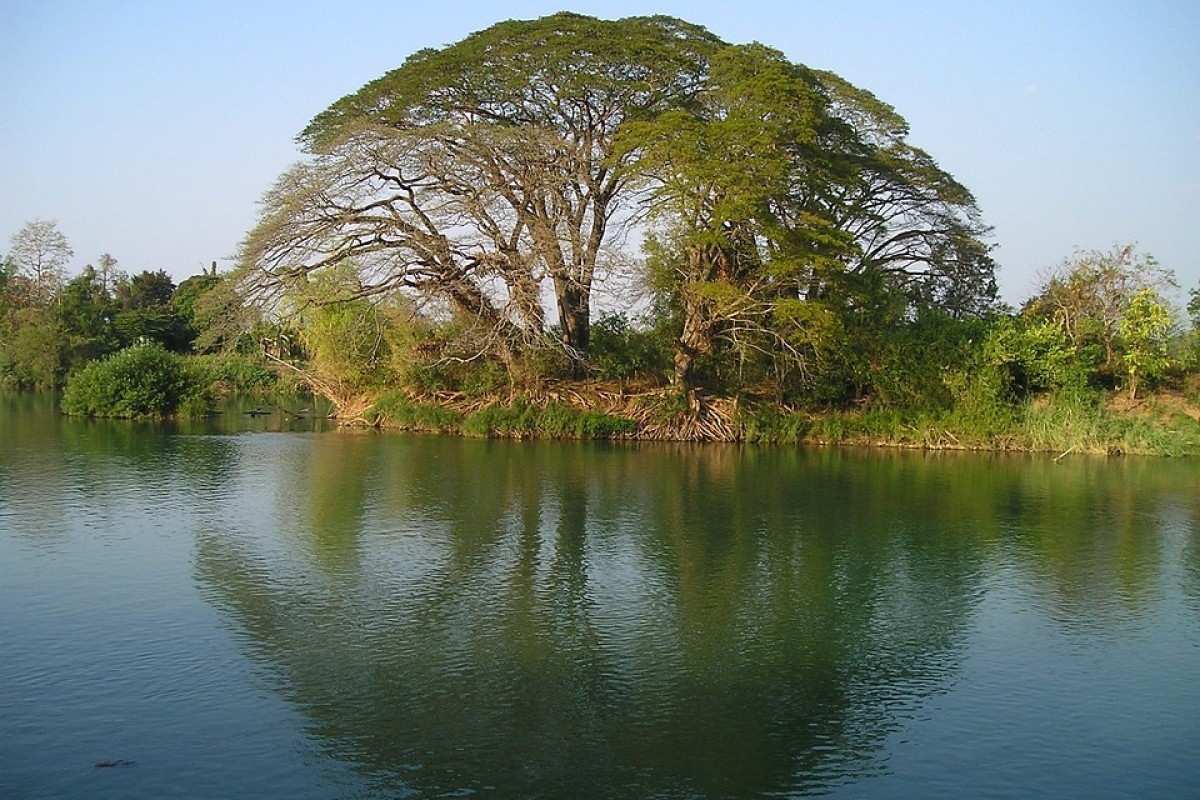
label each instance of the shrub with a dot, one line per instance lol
(1033, 356)
(618, 351)
(141, 381)
(233, 373)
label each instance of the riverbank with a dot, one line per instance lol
(1164, 424)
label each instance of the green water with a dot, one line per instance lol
(265, 607)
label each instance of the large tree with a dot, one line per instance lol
(720, 175)
(785, 194)
(495, 172)
(912, 225)
(479, 172)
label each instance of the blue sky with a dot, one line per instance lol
(150, 130)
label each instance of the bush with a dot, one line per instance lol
(141, 381)
(234, 373)
(618, 351)
(1034, 356)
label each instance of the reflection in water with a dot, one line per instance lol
(439, 616)
(571, 620)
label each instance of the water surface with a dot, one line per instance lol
(265, 607)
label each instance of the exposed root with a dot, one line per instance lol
(706, 420)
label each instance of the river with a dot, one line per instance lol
(268, 607)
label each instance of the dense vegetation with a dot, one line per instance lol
(123, 346)
(806, 273)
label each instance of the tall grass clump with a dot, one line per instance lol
(555, 420)
(397, 411)
(1081, 422)
(768, 424)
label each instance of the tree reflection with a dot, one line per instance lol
(611, 621)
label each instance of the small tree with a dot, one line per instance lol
(1145, 330)
(108, 273)
(7, 270)
(32, 344)
(86, 311)
(145, 311)
(1193, 309)
(1032, 355)
(1087, 295)
(40, 253)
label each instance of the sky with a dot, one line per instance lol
(150, 130)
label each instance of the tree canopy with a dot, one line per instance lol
(487, 176)
(40, 253)
(477, 173)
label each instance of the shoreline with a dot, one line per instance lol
(1165, 424)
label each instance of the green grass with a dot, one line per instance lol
(1089, 427)
(1077, 423)
(517, 421)
(397, 411)
(554, 421)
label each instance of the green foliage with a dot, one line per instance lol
(345, 337)
(1073, 421)
(234, 373)
(1031, 356)
(157, 323)
(769, 424)
(528, 189)
(8, 271)
(541, 361)
(534, 72)
(345, 344)
(1191, 388)
(32, 347)
(559, 420)
(1145, 329)
(982, 410)
(141, 381)
(620, 351)
(1089, 293)
(85, 311)
(763, 193)
(891, 359)
(481, 378)
(184, 302)
(1081, 422)
(145, 290)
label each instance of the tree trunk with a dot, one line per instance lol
(574, 318)
(694, 341)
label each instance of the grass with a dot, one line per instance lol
(552, 421)
(519, 420)
(1083, 422)
(1079, 423)
(397, 411)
